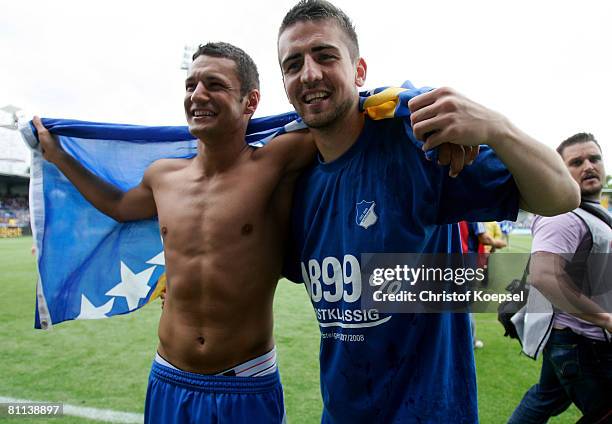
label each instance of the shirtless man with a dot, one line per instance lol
(223, 216)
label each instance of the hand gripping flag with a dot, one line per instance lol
(91, 266)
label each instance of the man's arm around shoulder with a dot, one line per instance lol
(292, 151)
(544, 183)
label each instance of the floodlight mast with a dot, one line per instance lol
(188, 52)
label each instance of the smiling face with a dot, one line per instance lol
(320, 78)
(586, 167)
(213, 103)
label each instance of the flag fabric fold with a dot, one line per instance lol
(91, 266)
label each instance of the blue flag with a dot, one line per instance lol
(91, 266)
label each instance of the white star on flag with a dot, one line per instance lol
(89, 311)
(132, 286)
(160, 259)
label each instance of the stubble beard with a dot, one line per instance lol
(594, 192)
(330, 118)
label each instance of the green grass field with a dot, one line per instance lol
(105, 363)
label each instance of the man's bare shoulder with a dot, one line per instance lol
(166, 165)
(162, 167)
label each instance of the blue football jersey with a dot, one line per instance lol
(383, 195)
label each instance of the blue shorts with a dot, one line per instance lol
(175, 396)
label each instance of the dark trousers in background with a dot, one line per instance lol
(574, 369)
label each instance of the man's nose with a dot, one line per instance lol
(311, 71)
(588, 165)
(199, 92)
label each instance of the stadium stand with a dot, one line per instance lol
(14, 176)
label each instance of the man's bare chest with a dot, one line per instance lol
(205, 214)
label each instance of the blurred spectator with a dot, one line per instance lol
(494, 240)
(506, 229)
(14, 210)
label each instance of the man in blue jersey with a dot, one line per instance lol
(373, 190)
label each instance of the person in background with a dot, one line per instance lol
(506, 229)
(494, 239)
(575, 337)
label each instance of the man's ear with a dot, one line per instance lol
(252, 101)
(361, 72)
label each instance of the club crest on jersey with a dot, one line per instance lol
(365, 215)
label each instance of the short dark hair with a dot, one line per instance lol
(316, 10)
(245, 67)
(575, 139)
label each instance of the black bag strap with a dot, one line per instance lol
(596, 210)
(525, 273)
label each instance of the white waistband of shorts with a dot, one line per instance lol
(162, 361)
(256, 367)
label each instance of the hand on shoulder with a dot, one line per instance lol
(445, 116)
(457, 157)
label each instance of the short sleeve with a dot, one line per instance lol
(483, 191)
(561, 234)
